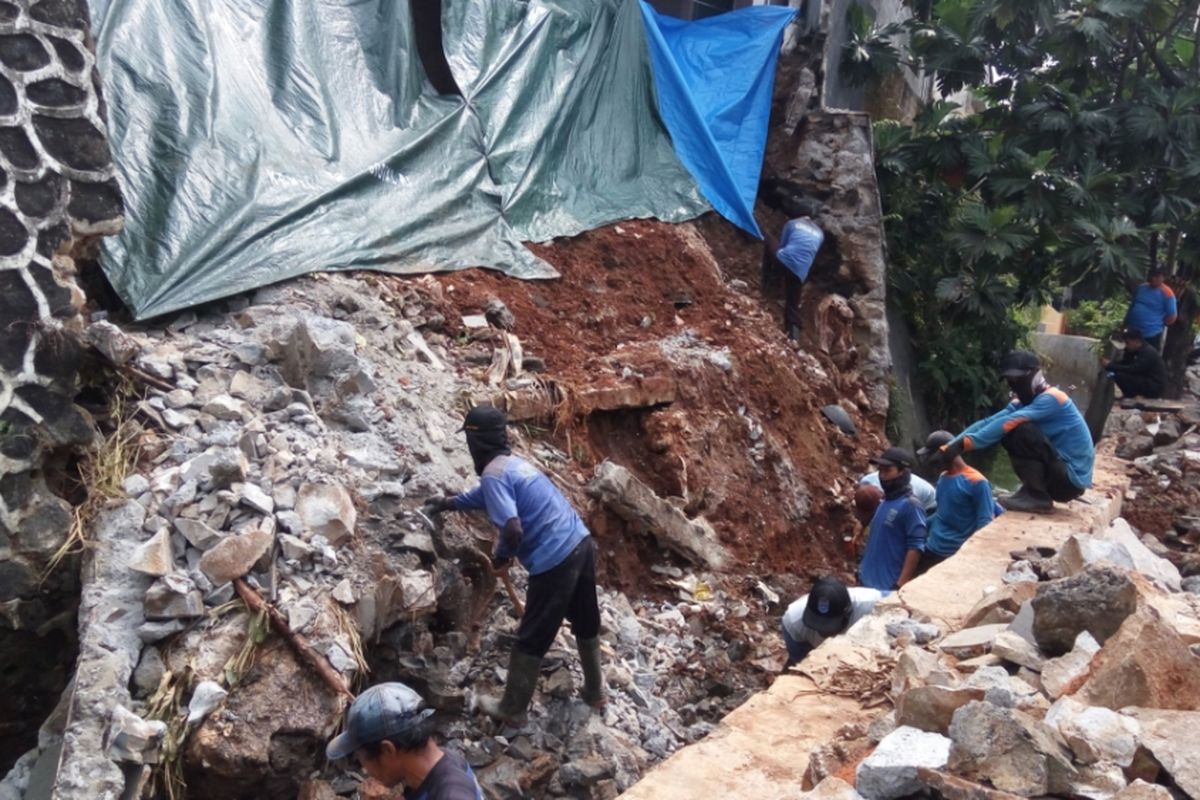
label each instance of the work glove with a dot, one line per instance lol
(437, 504)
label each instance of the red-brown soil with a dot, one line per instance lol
(778, 498)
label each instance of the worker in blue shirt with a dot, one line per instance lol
(794, 250)
(541, 529)
(964, 504)
(1045, 436)
(1153, 307)
(897, 534)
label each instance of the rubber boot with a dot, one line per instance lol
(593, 676)
(1027, 499)
(518, 691)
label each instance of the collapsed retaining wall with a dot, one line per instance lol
(57, 193)
(764, 748)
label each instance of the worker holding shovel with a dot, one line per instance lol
(541, 530)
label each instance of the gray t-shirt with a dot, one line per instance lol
(862, 600)
(922, 490)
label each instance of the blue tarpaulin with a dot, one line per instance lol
(714, 79)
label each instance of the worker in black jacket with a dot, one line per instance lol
(1140, 372)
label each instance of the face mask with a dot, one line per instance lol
(1028, 386)
(895, 487)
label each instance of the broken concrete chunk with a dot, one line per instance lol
(1008, 749)
(1097, 601)
(234, 556)
(131, 739)
(327, 510)
(173, 596)
(1118, 546)
(918, 632)
(1095, 782)
(971, 642)
(294, 548)
(149, 672)
(284, 496)
(1000, 604)
(151, 632)
(228, 466)
(1171, 738)
(344, 593)
(135, 485)
(199, 535)
(891, 770)
(1094, 733)
(154, 557)
(1146, 663)
(637, 503)
(205, 698)
(1065, 674)
(832, 788)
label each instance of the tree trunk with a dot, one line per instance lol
(1179, 341)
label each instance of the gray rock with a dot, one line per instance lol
(132, 739)
(198, 535)
(1135, 447)
(327, 510)
(234, 556)
(255, 498)
(149, 672)
(135, 485)
(205, 698)
(151, 632)
(1118, 546)
(1008, 749)
(1170, 736)
(1191, 584)
(154, 557)
(229, 409)
(228, 467)
(1140, 790)
(178, 398)
(918, 632)
(891, 770)
(1095, 734)
(344, 593)
(1013, 648)
(498, 314)
(971, 642)
(294, 548)
(173, 596)
(1097, 601)
(284, 496)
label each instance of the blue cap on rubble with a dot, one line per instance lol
(379, 713)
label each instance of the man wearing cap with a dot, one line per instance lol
(829, 609)
(541, 529)
(1153, 307)
(390, 731)
(964, 503)
(922, 489)
(1141, 371)
(897, 534)
(1045, 436)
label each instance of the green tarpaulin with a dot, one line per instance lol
(257, 140)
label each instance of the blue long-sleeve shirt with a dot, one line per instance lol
(964, 506)
(512, 487)
(798, 246)
(1056, 416)
(1152, 309)
(897, 527)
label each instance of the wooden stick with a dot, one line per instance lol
(318, 662)
(513, 597)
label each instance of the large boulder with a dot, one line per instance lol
(327, 510)
(234, 556)
(1145, 664)
(1119, 546)
(1096, 600)
(1095, 734)
(1008, 749)
(1171, 738)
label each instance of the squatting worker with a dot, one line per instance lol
(1141, 371)
(1045, 436)
(390, 731)
(540, 528)
(1153, 307)
(964, 506)
(795, 250)
(827, 610)
(897, 533)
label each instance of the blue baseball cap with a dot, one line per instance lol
(381, 712)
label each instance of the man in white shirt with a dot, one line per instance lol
(829, 609)
(922, 489)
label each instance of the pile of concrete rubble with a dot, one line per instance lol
(1076, 677)
(291, 440)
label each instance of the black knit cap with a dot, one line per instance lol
(484, 419)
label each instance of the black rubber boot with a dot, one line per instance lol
(518, 690)
(593, 675)
(1027, 499)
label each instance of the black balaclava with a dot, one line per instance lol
(1028, 386)
(898, 486)
(487, 435)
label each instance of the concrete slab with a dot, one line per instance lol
(762, 748)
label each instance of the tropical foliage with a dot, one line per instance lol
(1064, 150)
